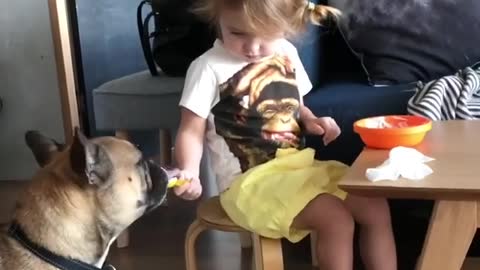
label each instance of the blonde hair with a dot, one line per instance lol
(269, 16)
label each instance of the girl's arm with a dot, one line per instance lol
(188, 153)
(189, 141)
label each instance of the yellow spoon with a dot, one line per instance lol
(175, 182)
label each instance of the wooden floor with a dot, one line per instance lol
(157, 241)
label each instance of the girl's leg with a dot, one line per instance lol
(377, 244)
(328, 216)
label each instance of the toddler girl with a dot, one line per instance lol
(243, 97)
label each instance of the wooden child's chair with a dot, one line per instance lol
(267, 253)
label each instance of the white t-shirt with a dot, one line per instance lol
(251, 108)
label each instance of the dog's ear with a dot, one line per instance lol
(90, 160)
(42, 147)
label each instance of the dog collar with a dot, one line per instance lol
(49, 257)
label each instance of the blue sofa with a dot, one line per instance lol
(341, 90)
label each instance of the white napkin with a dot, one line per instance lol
(403, 162)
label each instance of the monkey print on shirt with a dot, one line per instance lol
(258, 111)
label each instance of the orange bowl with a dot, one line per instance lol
(386, 132)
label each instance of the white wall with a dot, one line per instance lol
(28, 83)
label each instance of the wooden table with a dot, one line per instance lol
(454, 185)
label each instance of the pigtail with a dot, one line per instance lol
(318, 14)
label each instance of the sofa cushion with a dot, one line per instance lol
(338, 61)
(325, 55)
(311, 50)
(411, 40)
(347, 102)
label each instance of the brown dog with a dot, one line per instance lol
(78, 203)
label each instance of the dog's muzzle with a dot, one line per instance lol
(157, 193)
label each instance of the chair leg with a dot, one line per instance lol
(245, 239)
(267, 253)
(165, 140)
(192, 233)
(313, 248)
(123, 239)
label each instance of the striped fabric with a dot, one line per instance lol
(450, 97)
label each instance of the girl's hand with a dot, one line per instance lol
(190, 190)
(325, 126)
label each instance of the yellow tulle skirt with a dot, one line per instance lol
(267, 198)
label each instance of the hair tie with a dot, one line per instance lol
(311, 6)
